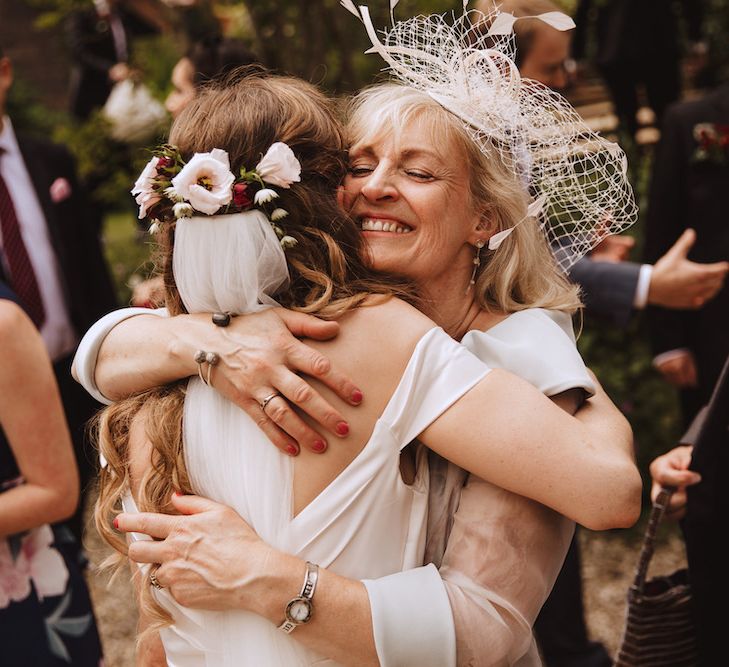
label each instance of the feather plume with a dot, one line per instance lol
(503, 24)
(557, 20)
(349, 6)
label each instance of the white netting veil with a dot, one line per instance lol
(467, 64)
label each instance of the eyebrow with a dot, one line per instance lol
(368, 149)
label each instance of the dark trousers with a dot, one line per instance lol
(560, 627)
(79, 408)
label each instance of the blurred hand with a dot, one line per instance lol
(613, 249)
(671, 469)
(260, 355)
(119, 72)
(679, 370)
(679, 283)
(149, 293)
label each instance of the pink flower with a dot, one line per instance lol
(279, 166)
(206, 181)
(38, 561)
(45, 564)
(143, 190)
(241, 195)
(14, 581)
(60, 190)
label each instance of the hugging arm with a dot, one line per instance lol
(134, 349)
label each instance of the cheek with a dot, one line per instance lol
(348, 192)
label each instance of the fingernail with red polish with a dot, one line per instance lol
(342, 428)
(319, 445)
(357, 396)
(116, 523)
(292, 450)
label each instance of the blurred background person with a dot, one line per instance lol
(45, 611)
(51, 257)
(697, 469)
(690, 182)
(639, 45)
(100, 38)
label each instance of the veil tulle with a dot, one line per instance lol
(231, 263)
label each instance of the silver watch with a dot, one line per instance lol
(299, 610)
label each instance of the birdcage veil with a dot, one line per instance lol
(577, 179)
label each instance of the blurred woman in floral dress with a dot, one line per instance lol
(45, 612)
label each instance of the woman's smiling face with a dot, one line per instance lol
(409, 192)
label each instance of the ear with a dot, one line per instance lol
(484, 230)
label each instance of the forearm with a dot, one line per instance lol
(144, 352)
(336, 598)
(31, 505)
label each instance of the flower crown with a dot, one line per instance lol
(170, 188)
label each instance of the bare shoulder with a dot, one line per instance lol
(391, 321)
(14, 323)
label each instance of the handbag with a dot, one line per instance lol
(135, 116)
(659, 628)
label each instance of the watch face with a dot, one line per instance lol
(299, 610)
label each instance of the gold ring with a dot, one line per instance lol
(154, 581)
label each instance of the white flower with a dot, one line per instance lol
(264, 196)
(153, 229)
(288, 242)
(278, 214)
(279, 166)
(206, 181)
(182, 210)
(143, 191)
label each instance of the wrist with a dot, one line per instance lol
(278, 582)
(189, 333)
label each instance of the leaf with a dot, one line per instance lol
(503, 25)
(58, 648)
(349, 6)
(557, 20)
(73, 627)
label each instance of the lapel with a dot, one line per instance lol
(36, 162)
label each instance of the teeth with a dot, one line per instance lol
(370, 225)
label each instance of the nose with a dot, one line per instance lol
(380, 185)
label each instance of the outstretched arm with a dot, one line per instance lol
(132, 350)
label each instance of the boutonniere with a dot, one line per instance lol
(713, 143)
(60, 190)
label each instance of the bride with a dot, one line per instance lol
(360, 511)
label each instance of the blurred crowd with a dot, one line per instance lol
(54, 284)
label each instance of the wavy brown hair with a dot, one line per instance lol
(244, 114)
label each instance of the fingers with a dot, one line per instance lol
(280, 412)
(148, 523)
(276, 435)
(191, 504)
(682, 246)
(311, 362)
(148, 551)
(308, 326)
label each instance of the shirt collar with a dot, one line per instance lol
(8, 141)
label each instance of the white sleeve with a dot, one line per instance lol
(412, 620)
(88, 349)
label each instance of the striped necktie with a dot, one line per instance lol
(22, 277)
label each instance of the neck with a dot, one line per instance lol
(451, 307)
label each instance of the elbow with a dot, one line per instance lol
(620, 502)
(65, 499)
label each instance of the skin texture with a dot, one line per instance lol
(33, 420)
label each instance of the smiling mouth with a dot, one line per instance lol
(374, 225)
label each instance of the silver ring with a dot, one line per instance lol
(268, 399)
(154, 581)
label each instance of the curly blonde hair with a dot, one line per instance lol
(244, 114)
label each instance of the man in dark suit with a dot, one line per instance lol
(689, 189)
(100, 40)
(51, 256)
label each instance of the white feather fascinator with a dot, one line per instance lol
(578, 180)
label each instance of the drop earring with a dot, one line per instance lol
(476, 263)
